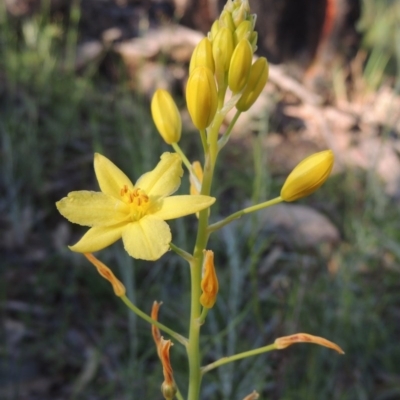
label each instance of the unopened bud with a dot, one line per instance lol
(225, 20)
(202, 56)
(308, 176)
(201, 97)
(240, 13)
(257, 79)
(222, 47)
(209, 283)
(166, 116)
(214, 30)
(243, 31)
(239, 69)
(253, 40)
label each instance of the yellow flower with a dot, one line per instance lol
(308, 176)
(135, 213)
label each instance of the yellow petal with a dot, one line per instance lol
(285, 341)
(111, 179)
(147, 239)
(92, 209)
(98, 238)
(164, 179)
(179, 206)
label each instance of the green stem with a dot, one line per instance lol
(236, 357)
(203, 137)
(152, 321)
(203, 315)
(179, 395)
(225, 137)
(177, 148)
(185, 255)
(218, 225)
(193, 349)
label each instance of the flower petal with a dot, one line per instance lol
(179, 206)
(147, 239)
(164, 179)
(98, 238)
(92, 209)
(111, 179)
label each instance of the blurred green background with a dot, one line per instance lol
(64, 335)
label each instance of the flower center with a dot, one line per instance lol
(138, 201)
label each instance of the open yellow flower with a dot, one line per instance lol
(135, 213)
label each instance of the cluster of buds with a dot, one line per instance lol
(224, 59)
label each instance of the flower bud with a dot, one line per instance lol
(214, 30)
(202, 56)
(308, 176)
(253, 40)
(225, 20)
(201, 97)
(243, 31)
(222, 47)
(240, 13)
(166, 116)
(239, 69)
(209, 283)
(257, 79)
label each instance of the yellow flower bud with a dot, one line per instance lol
(222, 47)
(209, 283)
(239, 69)
(225, 20)
(308, 176)
(202, 56)
(253, 40)
(214, 30)
(166, 116)
(243, 31)
(240, 13)
(201, 97)
(257, 79)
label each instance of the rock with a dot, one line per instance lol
(299, 226)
